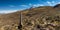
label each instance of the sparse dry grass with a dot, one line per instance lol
(44, 18)
(41, 18)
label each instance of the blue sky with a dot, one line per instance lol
(7, 6)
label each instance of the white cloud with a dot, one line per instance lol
(49, 3)
(37, 5)
(52, 3)
(24, 5)
(7, 11)
(58, 3)
(30, 4)
(41, 5)
(12, 5)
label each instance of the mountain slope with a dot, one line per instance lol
(41, 18)
(10, 21)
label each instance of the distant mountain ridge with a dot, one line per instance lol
(56, 6)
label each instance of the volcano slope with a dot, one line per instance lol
(10, 21)
(41, 18)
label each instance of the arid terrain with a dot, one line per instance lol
(39, 18)
(10, 21)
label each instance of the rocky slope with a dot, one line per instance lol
(10, 21)
(41, 18)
